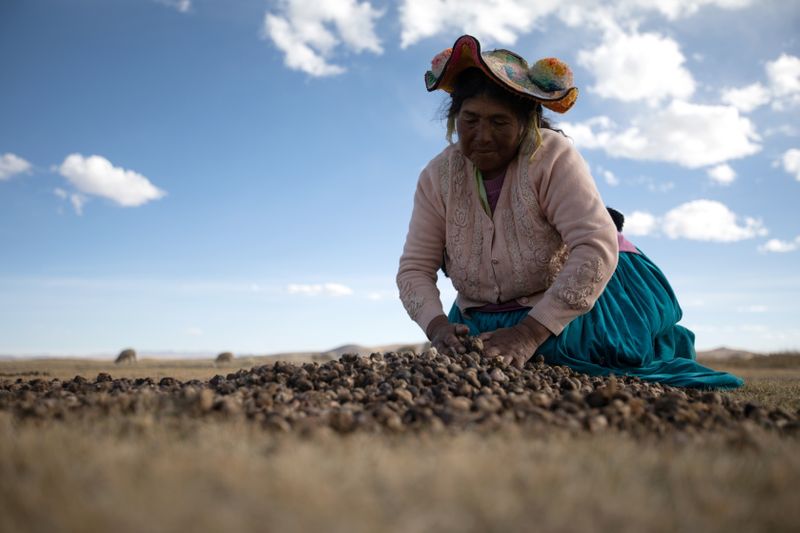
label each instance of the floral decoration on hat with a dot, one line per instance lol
(549, 81)
(438, 62)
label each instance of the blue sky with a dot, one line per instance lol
(200, 175)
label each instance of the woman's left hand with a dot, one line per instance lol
(516, 344)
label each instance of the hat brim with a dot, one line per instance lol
(466, 53)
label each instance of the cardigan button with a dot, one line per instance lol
(495, 261)
(523, 300)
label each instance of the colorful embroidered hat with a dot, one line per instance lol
(548, 81)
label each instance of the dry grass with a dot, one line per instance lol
(67, 368)
(772, 381)
(130, 475)
(139, 474)
(790, 360)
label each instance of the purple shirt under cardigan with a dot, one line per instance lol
(493, 188)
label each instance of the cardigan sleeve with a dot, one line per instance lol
(423, 252)
(572, 204)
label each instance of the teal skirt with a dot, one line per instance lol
(632, 329)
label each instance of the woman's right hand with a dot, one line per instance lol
(447, 337)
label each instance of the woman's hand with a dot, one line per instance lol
(516, 344)
(447, 337)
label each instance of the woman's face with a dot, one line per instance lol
(489, 134)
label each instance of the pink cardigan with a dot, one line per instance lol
(550, 245)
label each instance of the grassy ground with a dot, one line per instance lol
(138, 474)
(772, 381)
(66, 368)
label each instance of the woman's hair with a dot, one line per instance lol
(472, 82)
(617, 217)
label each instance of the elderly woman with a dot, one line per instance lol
(512, 215)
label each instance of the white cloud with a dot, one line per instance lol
(95, 175)
(673, 9)
(194, 331)
(638, 67)
(383, 295)
(693, 302)
(77, 200)
(699, 220)
(752, 308)
(783, 87)
(181, 5)
(640, 223)
(722, 174)
(601, 13)
(691, 135)
(656, 185)
(784, 75)
(596, 132)
(500, 21)
(11, 165)
(746, 99)
(299, 55)
(609, 177)
(324, 289)
(308, 32)
(708, 220)
(788, 130)
(779, 246)
(791, 162)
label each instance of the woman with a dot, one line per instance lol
(512, 212)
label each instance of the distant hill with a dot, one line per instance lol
(348, 348)
(724, 352)
(366, 350)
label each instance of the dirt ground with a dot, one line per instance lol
(141, 472)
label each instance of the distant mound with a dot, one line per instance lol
(336, 353)
(348, 348)
(224, 357)
(724, 352)
(126, 356)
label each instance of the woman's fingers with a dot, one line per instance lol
(496, 343)
(455, 344)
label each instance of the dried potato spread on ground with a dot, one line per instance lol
(397, 392)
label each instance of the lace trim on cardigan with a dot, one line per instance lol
(577, 288)
(444, 179)
(474, 265)
(412, 301)
(557, 263)
(514, 250)
(468, 266)
(544, 247)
